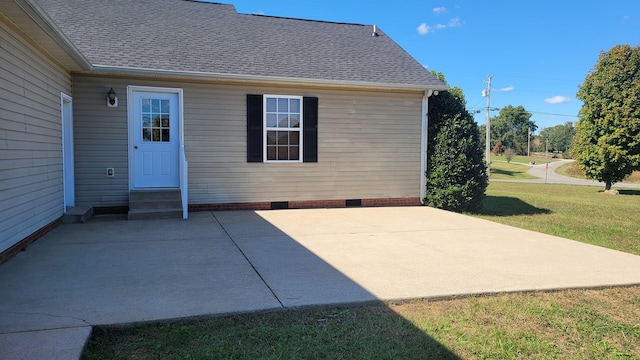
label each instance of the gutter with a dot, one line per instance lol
(40, 17)
(423, 141)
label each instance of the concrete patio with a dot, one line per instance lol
(114, 271)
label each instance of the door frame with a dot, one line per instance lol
(131, 89)
(68, 165)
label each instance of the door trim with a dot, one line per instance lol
(131, 89)
(68, 165)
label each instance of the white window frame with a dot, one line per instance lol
(265, 129)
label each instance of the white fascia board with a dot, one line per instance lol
(261, 78)
(40, 17)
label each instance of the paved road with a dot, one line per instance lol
(549, 176)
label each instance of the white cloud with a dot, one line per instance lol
(440, 10)
(508, 88)
(455, 22)
(424, 29)
(557, 100)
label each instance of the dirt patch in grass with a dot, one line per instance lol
(573, 170)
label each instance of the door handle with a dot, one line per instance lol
(136, 147)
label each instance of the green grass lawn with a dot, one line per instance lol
(509, 171)
(572, 324)
(572, 170)
(582, 213)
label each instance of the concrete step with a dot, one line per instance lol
(77, 215)
(150, 214)
(143, 195)
(155, 204)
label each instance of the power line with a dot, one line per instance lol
(478, 110)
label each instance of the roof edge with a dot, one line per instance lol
(40, 17)
(263, 78)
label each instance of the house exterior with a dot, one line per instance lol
(237, 111)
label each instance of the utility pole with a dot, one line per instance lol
(487, 93)
(529, 142)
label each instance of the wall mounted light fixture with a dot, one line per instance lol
(112, 99)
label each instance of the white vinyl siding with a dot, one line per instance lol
(368, 145)
(31, 188)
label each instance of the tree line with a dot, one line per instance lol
(605, 141)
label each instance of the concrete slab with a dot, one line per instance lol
(114, 272)
(61, 344)
(415, 252)
(111, 271)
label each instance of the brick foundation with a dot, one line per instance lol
(306, 204)
(22, 244)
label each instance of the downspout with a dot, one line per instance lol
(423, 145)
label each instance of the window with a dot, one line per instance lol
(155, 120)
(282, 124)
(282, 128)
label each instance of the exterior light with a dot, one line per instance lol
(112, 99)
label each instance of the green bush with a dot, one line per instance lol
(457, 177)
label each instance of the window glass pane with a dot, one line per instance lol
(283, 121)
(146, 134)
(271, 137)
(164, 106)
(295, 105)
(146, 107)
(156, 121)
(165, 135)
(283, 105)
(283, 138)
(272, 120)
(155, 135)
(294, 138)
(271, 104)
(155, 105)
(165, 120)
(294, 122)
(146, 120)
(294, 153)
(283, 153)
(271, 153)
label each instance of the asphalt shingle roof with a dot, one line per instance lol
(211, 38)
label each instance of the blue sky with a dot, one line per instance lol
(537, 51)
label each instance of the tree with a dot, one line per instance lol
(456, 173)
(509, 154)
(511, 127)
(607, 140)
(559, 136)
(497, 148)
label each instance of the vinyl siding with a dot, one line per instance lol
(31, 187)
(368, 145)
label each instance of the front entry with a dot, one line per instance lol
(155, 139)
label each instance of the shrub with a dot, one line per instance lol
(509, 154)
(457, 179)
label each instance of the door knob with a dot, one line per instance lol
(136, 147)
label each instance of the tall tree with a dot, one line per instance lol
(456, 173)
(607, 141)
(559, 136)
(511, 127)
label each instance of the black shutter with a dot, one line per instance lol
(310, 129)
(254, 128)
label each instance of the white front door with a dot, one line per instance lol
(156, 143)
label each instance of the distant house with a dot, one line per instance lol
(236, 111)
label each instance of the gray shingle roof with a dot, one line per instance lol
(210, 38)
